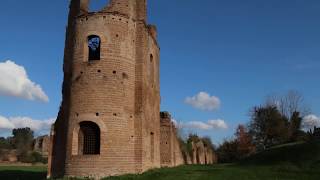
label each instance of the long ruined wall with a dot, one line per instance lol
(171, 153)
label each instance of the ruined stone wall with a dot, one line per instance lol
(7, 155)
(177, 156)
(201, 154)
(41, 144)
(170, 152)
(119, 93)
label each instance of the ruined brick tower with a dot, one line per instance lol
(109, 121)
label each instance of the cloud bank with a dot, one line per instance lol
(38, 126)
(310, 121)
(204, 101)
(218, 124)
(14, 81)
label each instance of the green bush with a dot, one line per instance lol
(32, 157)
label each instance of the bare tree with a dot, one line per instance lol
(289, 103)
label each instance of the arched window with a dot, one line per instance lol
(151, 69)
(89, 138)
(152, 146)
(94, 45)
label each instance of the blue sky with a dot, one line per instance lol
(237, 51)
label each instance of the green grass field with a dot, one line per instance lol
(219, 172)
(22, 172)
(298, 161)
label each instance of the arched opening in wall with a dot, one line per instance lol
(94, 47)
(89, 138)
(205, 159)
(152, 146)
(197, 157)
(151, 70)
(98, 5)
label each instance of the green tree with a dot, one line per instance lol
(268, 127)
(22, 139)
(228, 151)
(295, 126)
(4, 143)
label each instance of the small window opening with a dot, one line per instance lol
(152, 146)
(151, 70)
(125, 76)
(151, 58)
(89, 138)
(94, 45)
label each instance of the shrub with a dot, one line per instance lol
(32, 157)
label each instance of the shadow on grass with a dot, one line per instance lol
(19, 175)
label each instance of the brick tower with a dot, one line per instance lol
(108, 123)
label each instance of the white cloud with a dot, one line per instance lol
(38, 126)
(310, 121)
(197, 125)
(204, 101)
(218, 124)
(210, 125)
(14, 81)
(5, 123)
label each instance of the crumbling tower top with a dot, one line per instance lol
(135, 9)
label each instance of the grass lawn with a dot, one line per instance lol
(23, 172)
(227, 172)
(219, 172)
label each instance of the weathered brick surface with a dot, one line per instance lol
(41, 145)
(202, 154)
(170, 152)
(120, 93)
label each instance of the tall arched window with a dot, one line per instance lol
(152, 146)
(94, 45)
(151, 69)
(89, 138)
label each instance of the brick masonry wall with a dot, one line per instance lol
(170, 152)
(41, 145)
(202, 154)
(120, 93)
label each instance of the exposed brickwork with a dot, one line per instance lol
(202, 154)
(109, 122)
(41, 145)
(8, 155)
(119, 93)
(170, 152)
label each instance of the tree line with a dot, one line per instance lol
(22, 142)
(275, 122)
